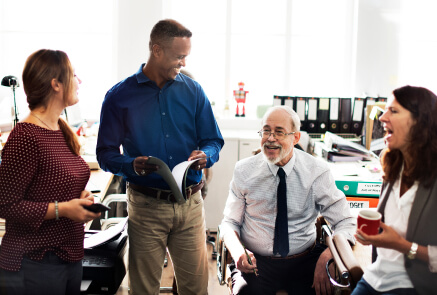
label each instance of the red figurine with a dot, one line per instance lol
(240, 98)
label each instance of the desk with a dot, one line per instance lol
(360, 181)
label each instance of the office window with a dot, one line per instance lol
(321, 48)
(83, 29)
(286, 47)
(338, 48)
(208, 59)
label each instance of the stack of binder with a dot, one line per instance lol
(334, 155)
(333, 114)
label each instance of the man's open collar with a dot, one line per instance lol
(141, 78)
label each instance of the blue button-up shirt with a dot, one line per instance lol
(167, 123)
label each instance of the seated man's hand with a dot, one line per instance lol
(321, 282)
(242, 263)
(142, 168)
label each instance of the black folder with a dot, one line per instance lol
(334, 115)
(345, 115)
(323, 115)
(369, 101)
(277, 100)
(289, 101)
(312, 121)
(301, 104)
(358, 116)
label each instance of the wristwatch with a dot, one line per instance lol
(413, 251)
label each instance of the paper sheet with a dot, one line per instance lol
(104, 235)
(176, 178)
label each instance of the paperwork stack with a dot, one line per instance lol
(338, 149)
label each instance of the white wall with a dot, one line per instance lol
(135, 19)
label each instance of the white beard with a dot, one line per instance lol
(282, 155)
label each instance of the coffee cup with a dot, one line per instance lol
(368, 221)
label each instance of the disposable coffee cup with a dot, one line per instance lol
(368, 221)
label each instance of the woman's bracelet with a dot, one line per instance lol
(56, 210)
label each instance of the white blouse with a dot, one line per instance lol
(388, 271)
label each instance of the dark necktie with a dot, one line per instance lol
(280, 245)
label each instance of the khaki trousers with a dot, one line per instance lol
(155, 225)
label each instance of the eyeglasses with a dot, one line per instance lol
(279, 135)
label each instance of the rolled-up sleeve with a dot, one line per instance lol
(234, 209)
(334, 207)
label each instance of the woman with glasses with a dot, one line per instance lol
(406, 248)
(42, 186)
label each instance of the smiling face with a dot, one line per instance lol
(275, 151)
(397, 124)
(171, 58)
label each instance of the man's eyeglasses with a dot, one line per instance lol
(279, 135)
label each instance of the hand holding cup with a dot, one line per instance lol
(368, 221)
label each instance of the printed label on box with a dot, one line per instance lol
(369, 188)
(358, 204)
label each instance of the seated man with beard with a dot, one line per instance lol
(274, 200)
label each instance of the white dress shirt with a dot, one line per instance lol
(251, 206)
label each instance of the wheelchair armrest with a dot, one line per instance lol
(348, 258)
(342, 270)
(223, 260)
(113, 198)
(348, 269)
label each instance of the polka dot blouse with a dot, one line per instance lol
(38, 168)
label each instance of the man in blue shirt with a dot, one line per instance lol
(161, 113)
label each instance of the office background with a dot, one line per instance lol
(324, 48)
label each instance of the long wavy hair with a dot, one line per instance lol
(41, 67)
(422, 138)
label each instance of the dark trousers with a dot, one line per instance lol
(50, 276)
(363, 288)
(294, 275)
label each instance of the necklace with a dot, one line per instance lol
(41, 121)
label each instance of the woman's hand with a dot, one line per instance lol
(74, 209)
(389, 238)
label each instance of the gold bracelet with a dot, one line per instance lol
(56, 210)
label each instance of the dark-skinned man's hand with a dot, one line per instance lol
(142, 168)
(200, 164)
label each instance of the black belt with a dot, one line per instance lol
(164, 194)
(294, 255)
